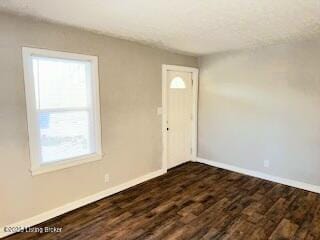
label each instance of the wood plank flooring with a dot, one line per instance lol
(194, 201)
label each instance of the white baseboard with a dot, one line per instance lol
(79, 203)
(285, 181)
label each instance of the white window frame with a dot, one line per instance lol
(33, 126)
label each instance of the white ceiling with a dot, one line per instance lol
(195, 27)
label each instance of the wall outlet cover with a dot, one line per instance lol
(266, 163)
(106, 178)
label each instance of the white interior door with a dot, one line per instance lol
(179, 117)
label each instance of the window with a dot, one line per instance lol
(177, 82)
(63, 109)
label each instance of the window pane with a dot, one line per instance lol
(177, 82)
(64, 135)
(60, 82)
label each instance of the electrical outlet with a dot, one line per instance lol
(106, 178)
(266, 163)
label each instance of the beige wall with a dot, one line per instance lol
(130, 92)
(263, 104)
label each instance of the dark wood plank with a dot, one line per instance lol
(194, 201)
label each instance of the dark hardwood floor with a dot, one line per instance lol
(194, 201)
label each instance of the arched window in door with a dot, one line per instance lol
(177, 82)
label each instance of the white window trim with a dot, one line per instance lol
(34, 144)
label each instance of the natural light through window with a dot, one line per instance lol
(63, 111)
(177, 82)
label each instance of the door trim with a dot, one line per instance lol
(194, 130)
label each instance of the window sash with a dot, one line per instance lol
(92, 143)
(33, 112)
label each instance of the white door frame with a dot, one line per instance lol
(195, 73)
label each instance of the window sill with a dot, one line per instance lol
(45, 168)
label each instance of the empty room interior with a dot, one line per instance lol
(143, 120)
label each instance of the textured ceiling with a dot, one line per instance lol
(195, 27)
